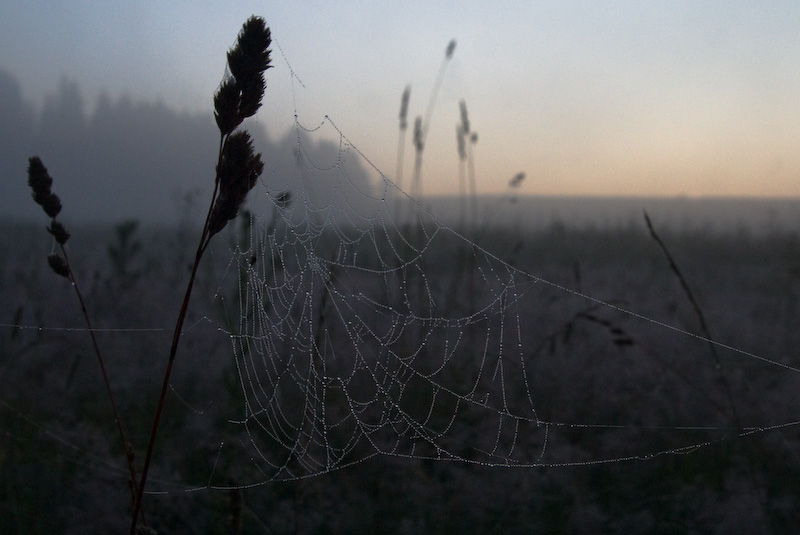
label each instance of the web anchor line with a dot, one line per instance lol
(355, 340)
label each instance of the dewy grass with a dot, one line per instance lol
(237, 170)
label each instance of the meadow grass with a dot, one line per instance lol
(237, 170)
(578, 370)
(585, 362)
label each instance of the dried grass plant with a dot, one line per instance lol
(421, 126)
(41, 183)
(238, 168)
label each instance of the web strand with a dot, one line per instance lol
(355, 338)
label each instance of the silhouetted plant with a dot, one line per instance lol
(237, 170)
(401, 140)
(706, 333)
(751, 451)
(41, 183)
(465, 139)
(421, 126)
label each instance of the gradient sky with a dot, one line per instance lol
(585, 97)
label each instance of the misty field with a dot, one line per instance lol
(639, 426)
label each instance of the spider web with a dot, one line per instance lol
(363, 326)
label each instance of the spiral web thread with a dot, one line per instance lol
(373, 329)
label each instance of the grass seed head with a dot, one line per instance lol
(419, 141)
(404, 107)
(58, 264)
(252, 92)
(451, 47)
(58, 231)
(251, 55)
(226, 107)
(240, 95)
(462, 106)
(462, 152)
(238, 171)
(40, 183)
(516, 180)
(38, 178)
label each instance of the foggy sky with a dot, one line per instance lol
(587, 98)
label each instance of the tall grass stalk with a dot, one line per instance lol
(448, 54)
(419, 146)
(238, 167)
(749, 450)
(421, 126)
(40, 182)
(401, 145)
(465, 140)
(700, 318)
(237, 170)
(462, 176)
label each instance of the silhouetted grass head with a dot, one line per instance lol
(516, 180)
(451, 47)
(462, 107)
(419, 135)
(238, 171)
(58, 264)
(240, 95)
(58, 231)
(40, 182)
(404, 107)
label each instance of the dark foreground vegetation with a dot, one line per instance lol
(649, 431)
